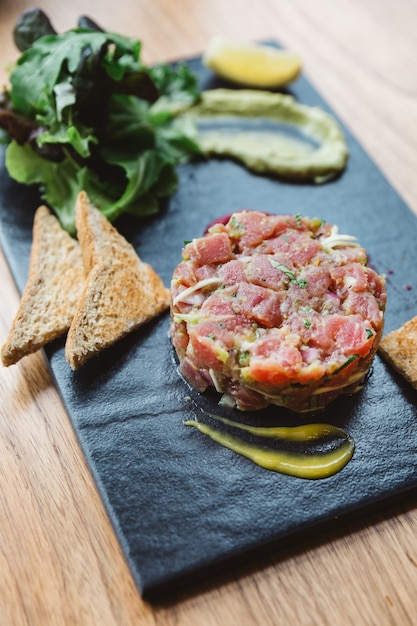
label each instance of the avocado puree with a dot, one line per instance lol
(270, 133)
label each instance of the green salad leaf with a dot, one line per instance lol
(84, 113)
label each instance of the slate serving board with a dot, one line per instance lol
(180, 504)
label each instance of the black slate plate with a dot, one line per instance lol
(181, 505)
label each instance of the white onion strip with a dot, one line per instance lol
(206, 282)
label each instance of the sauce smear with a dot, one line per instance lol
(298, 464)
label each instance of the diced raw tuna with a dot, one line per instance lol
(213, 248)
(275, 309)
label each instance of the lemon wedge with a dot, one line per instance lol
(251, 64)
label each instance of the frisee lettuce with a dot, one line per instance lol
(84, 113)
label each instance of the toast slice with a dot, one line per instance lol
(399, 348)
(120, 294)
(51, 294)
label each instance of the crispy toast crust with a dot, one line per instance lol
(399, 348)
(120, 294)
(51, 294)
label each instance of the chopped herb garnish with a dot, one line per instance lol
(301, 282)
(187, 241)
(237, 229)
(298, 219)
(243, 358)
(369, 333)
(313, 403)
(346, 363)
(307, 323)
(211, 336)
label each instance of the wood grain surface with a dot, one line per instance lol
(60, 563)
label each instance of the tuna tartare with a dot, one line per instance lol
(276, 309)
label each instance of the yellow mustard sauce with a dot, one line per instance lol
(301, 465)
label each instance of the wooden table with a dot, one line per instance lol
(60, 562)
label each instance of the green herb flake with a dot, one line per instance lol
(244, 357)
(313, 403)
(301, 282)
(237, 229)
(369, 333)
(346, 363)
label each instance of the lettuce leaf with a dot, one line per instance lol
(92, 117)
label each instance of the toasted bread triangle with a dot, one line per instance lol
(121, 292)
(51, 294)
(399, 348)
